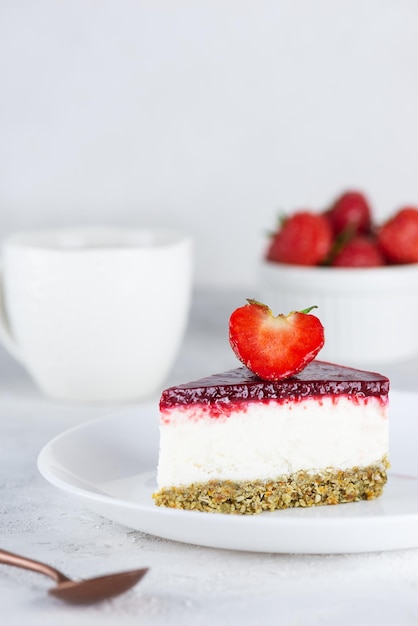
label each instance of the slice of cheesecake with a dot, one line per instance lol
(234, 443)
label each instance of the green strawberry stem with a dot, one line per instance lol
(309, 309)
(341, 240)
(281, 220)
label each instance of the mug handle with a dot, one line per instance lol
(6, 337)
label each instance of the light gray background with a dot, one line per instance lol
(209, 116)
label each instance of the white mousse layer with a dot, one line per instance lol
(266, 440)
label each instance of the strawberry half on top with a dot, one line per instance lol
(274, 347)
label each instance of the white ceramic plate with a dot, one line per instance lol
(109, 465)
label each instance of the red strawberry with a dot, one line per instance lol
(350, 210)
(398, 236)
(274, 347)
(304, 239)
(361, 251)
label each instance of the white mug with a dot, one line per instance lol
(96, 314)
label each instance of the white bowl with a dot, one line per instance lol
(369, 315)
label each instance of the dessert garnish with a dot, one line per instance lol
(274, 347)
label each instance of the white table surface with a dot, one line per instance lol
(186, 584)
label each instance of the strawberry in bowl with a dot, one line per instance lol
(363, 275)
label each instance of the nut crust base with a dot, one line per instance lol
(301, 489)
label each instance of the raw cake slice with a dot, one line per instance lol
(234, 443)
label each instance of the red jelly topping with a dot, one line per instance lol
(318, 379)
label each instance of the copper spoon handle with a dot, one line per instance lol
(8, 558)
